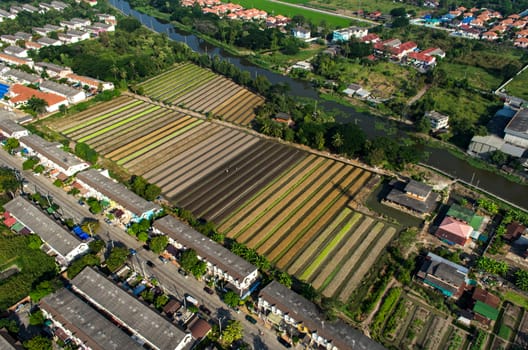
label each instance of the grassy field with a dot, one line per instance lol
(353, 5)
(516, 298)
(290, 11)
(478, 78)
(519, 86)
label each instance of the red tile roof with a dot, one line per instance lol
(422, 57)
(23, 93)
(10, 221)
(455, 227)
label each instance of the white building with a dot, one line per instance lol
(56, 240)
(10, 128)
(52, 156)
(16, 51)
(346, 34)
(438, 120)
(103, 187)
(73, 95)
(301, 33)
(221, 263)
(53, 70)
(90, 82)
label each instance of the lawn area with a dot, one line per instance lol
(353, 5)
(519, 86)
(277, 59)
(516, 298)
(477, 77)
(290, 11)
(505, 332)
(33, 264)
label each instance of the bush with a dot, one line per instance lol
(386, 307)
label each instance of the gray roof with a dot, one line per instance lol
(399, 196)
(52, 233)
(52, 27)
(435, 115)
(127, 309)
(86, 323)
(302, 310)
(418, 188)
(47, 41)
(519, 122)
(23, 35)
(4, 343)
(59, 89)
(22, 76)
(14, 50)
(213, 252)
(116, 192)
(52, 151)
(4, 13)
(76, 32)
(9, 126)
(444, 272)
(52, 67)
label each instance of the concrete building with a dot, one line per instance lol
(413, 197)
(56, 240)
(301, 33)
(20, 94)
(290, 310)
(516, 132)
(16, 51)
(21, 77)
(438, 120)
(83, 325)
(52, 156)
(90, 82)
(144, 323)
(103, 187)
(346, 34)
(443, 275)
(221, 263)
(73, 95)
(10, 128)
(53, 70)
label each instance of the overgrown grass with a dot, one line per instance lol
(516, 298)
(477, 77)
(519, 86)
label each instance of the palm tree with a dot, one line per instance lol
(337, 141)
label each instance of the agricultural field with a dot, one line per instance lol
(410, 324)
(518, 87)
(295, 208)
(201, 90)
(350, 6)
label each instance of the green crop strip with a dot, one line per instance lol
(101, 117)
(157, 143)
(333, 243)
(118, 124)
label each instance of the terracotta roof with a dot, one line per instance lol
(13, 59)
(486, 297)
(23, 93)
(420, 56)
(455, 227)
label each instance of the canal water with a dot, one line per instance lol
(372, 126)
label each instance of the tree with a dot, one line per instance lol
(232, 332)
(36, 105)
(190, 262)
(37, 318)
(398, 12)
(231, 299)
(400, 22)
(521, 279)
(283, 278)
(498, 157)
(44, 288)
(142, 236)
(83, 151)
(161, 301)
(11, 144)
(117, 258)
(152, 192)
(96, 245)
(38, 343)
(158, 244)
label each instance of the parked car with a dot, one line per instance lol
(205, 310)
(163, 259)
(150, 263)
(251, 319)
(208, 290)
(132, 251)
(284, 342)
(182, 272)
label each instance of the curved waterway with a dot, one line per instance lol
(372, 126)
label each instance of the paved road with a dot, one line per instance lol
(166, 274)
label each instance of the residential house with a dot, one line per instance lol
(129, 313)
(10, 128)
(437, 120)
(16, 51)
(59, 5)
(29, 8)
(53, 70)
(434, 51)
(357, 91)
(16, 61)
(485, 306)
(7, 342)
(52, 28)
(443, 275)
(381, 47)
(516, 132)
(80, 35)
(44, 7)
(99, 185)
(370, 38)
(403, 50)
(421, 59)
(9, 39)
(73, 95)
(304, 65)
(482, 146)
(108, 19)
(199, 328)
(345, 34)
(290, 311)
(67, 38)
(56, 240)
(21, 77)
(98, 28)
(413, 197)
(301, 33)
(31, 45)
(70, 25)
(6, 15)
(490, 35)
(83, 326)
(221, 263)
(20, 94)
(23, 36)
(468, 216)
(90, 82)
(15, 9)
(284, 118)
(514, 230)
(521, 42)
(41, 31)
(45, 41)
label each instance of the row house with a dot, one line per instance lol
(20, 77)
(16, 51)
(56, 240)
(98, 28)
(11, 129)
(19, 95)
(76, 322)
(129, 313)
(23, 36)
(45, 41)
(521, 42)
(92, 83)
(287, 309)
(9, 39)
(71, 25)
(73, 95)
(108, 19)
(221, 263)
(52, 155)
(16, 61)
(99, 185)
(6, 15)
(29, 8)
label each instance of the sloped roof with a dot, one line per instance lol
(52, 151)
(455, 227)
(23, 93)
(464, 214)
(10, 126)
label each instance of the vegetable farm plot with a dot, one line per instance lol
(201, 90)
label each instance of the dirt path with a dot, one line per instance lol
(419, 94)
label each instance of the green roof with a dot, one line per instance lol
(466, 215)
(486, 310)
(17, 227)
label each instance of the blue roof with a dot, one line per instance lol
(524, 13)
(505, 113)
(467, 20)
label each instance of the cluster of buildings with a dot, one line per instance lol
(452, 281)
(513, 141)
(236, 12)
(407, 52)
(42, 8)
(483, 24)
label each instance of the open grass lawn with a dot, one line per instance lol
(353, 5)
(516, 298)
(278, 59)
(505, 332)
(519, 86)
(290, 11)
(477, 77)
(33, 265)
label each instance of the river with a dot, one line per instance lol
(372, 126)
